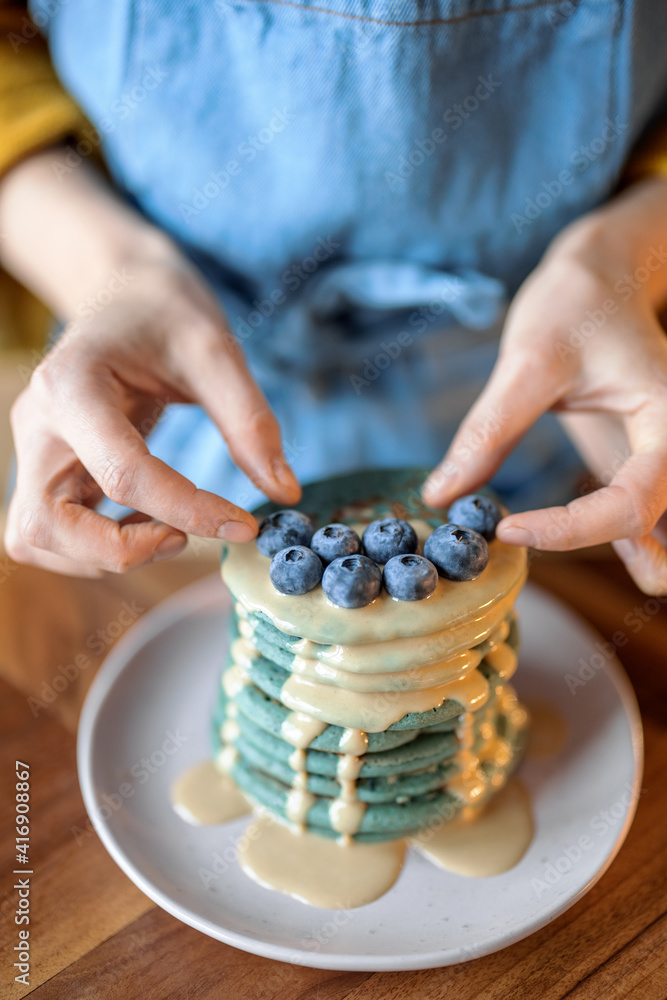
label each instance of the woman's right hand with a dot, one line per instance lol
(80, 424)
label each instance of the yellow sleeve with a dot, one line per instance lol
(35, 112)
(650, 157)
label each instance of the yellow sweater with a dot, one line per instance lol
(36, 112)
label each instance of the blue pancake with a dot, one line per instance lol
(426, 750)
(269, 677)
(368, 789)
(382, 820)
(406, 769)
(415, 768)
(270, 714)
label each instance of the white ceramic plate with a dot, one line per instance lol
(146, 719)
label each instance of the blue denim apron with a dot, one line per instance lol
(365, 184)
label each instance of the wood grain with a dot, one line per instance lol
(95, 935)
(152, 947)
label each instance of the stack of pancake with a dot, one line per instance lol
(370, 723)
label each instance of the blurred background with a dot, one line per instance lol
(24, 328)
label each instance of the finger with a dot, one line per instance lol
(88, 537)
(58, 533)
(116, 456)
(136, 517)
(49, 513)
(21, 552)
(219, 378)
(628, 508)
(516, 394)
(646, 562)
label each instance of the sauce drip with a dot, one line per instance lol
(318, 870)
(204, 797)
(486, 840)
(299, 729)
(375, 711)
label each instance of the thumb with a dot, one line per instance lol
(221, 381)
(516, 394)
(646, 561)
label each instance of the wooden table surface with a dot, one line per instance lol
(93, 934)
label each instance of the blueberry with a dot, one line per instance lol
(352, 581)
(295, 570)
(384, 539)
(283, 529)
(458, 553)
(335, 540)
(410, 577)
(477, 512)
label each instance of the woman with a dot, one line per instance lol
(336, 203)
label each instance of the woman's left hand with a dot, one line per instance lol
(583, 338)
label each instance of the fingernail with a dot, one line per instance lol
(169, 546)
(442, 476)
(626, 549)
(431, 488)
(235, 531)
(283, 473)
(512, 534)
